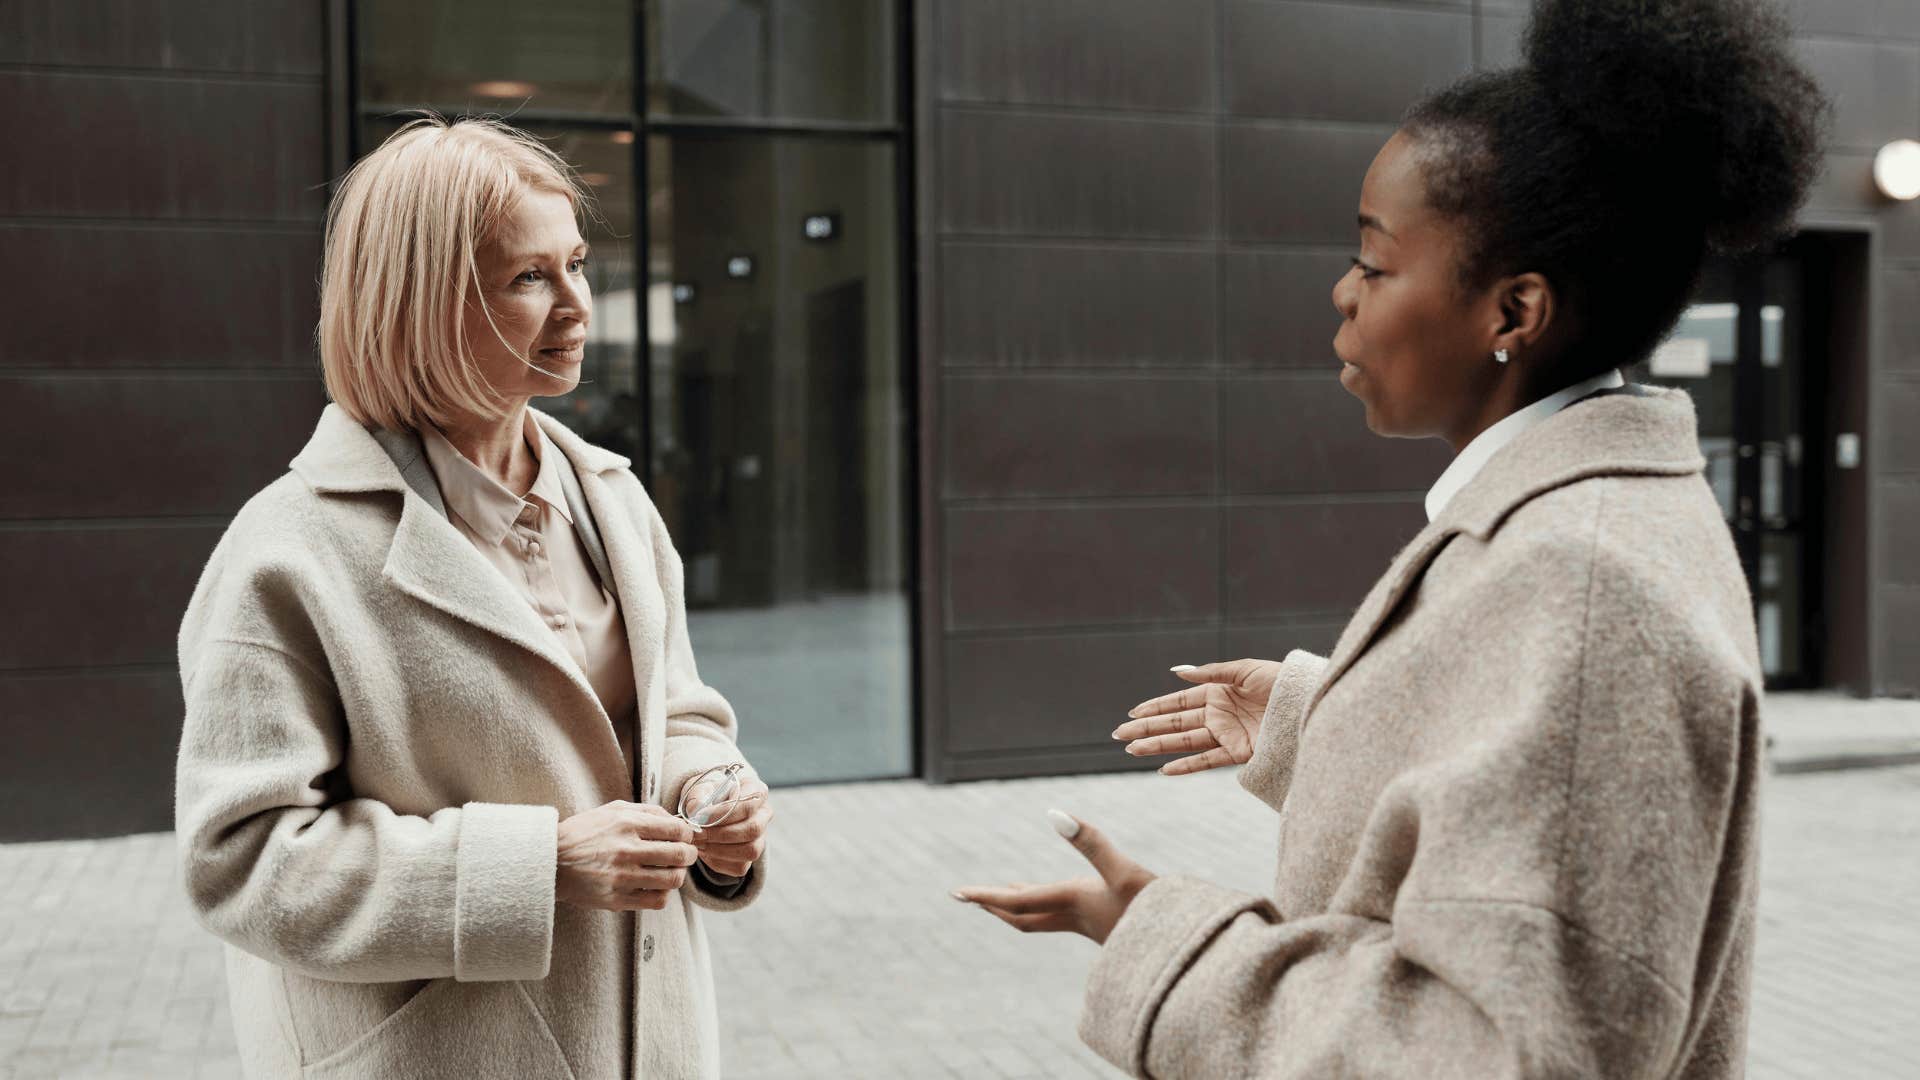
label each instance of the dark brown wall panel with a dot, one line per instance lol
(1339, 62)
(280, 37)
(1900, 435)
(1900, 531)
(1077, 52)
(1294, 436)
(1900, 311)
(1311, 557)
(1087, 435)
(1899, 626)
(88, 754)
(1026, 692)
(1276, 307)
(96, 597)
(1019, 567)
(1007, 305)
(119, 146)
(1296, 183)
(161, 447)
(158, 297)
(1270, 641)
(1875, 90)
(1008, 173)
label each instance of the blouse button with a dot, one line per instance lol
(558, 622)
(533, 547)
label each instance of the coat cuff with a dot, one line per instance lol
(504, 892)
(1164, 929)
(1270, 769)
(723, 892)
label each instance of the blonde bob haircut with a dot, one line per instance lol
(400, 267)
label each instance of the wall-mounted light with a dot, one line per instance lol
(740, 266)
(1896, 170)
(684, 292)
(820, 228)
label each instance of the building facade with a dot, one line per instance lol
(976, 351)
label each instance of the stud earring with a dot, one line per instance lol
(1500, 355)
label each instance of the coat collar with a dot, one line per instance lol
(1633, 431)
(342, 456)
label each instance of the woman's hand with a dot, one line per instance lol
(1089, 906)
(1215, 723)
(622, 856)
(730, 848)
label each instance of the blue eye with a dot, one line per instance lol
(579, 265)
(529, 277)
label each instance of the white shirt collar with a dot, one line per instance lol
(1475, 455)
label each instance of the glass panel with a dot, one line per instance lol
(1778, 606)
(1698, 357)
(493, 55)
(803, 60)
(605, 408)
(779, 454)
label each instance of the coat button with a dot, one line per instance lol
(646, 948)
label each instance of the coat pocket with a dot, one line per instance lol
(452, 1030)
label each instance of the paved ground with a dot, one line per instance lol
(857, 964)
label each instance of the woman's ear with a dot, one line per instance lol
(1526, 311)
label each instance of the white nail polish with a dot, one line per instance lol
(1063, 824)
(1181, 667)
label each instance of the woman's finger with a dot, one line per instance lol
(1180, 742)
(737, 832)
(1162, 724)
(1030, 924)
(1216, 758)
(1193, 697)
(1022, 900)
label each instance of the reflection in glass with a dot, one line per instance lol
(494, 55)
(799, 60)
(778, 443)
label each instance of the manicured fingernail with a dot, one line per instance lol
(1063, 824)
(1116, 733)
(1181, 667)
(960, 898)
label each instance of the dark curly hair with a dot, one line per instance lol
(1637, 137)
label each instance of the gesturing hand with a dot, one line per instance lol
(1089, 906)
(731, 847)
(1215, 723)
(622, 856)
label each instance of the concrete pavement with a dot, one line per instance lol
(857, 964)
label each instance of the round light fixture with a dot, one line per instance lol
(504, 88)
(1896, 169)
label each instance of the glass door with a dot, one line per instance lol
(747, 347)
(1741, 351)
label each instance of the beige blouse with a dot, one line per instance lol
(532, 542)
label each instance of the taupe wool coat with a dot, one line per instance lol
(381, 738)
(1517, 804)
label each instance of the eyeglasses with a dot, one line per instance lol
(712, 797)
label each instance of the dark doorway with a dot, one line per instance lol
(1763, 348)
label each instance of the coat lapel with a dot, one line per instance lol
(1381, 602)
(630, 569)
(429, 560)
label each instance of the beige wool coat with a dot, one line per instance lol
(381, 737)
(1516, 805)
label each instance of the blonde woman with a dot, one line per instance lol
(438, 684)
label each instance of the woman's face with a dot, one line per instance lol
(534, 282)
(1416, 350)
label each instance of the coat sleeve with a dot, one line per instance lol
(276, 863)
(1541, 902)
(700, 726)
(1267, 773)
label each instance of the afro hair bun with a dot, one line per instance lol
(1701, 97)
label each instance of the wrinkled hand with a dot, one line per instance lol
(731, 847)
(1089, 906)
(621, 857)
(1215, 723)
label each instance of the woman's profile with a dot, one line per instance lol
(1517, 803)
(439, 690)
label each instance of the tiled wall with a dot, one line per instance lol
(1132, 214)
(160, 211)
